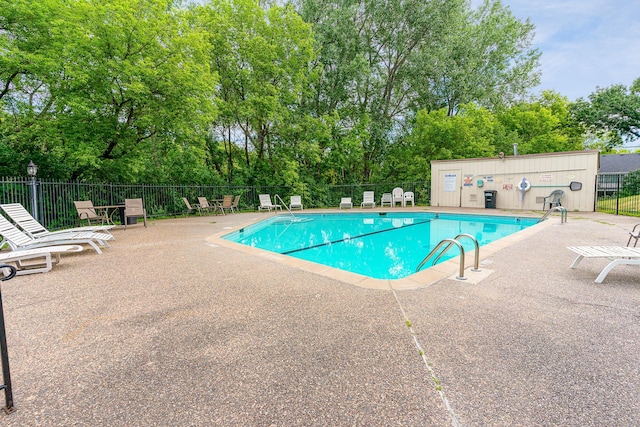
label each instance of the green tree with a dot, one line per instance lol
(612, 114)
(631, 184)
(382, 61)
(115, 85)
(138, 83)
(372, 56)
(32, 38)
(261, 57)
(437, 136)
(486, 57)
(543, 125)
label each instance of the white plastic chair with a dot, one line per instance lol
(346, 203)
(397, 197)
(265, 203)
(408, 197)
(368, 200)
(295, 203)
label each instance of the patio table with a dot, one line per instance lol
(104, 212)
(217, 205)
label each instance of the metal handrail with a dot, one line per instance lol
(476, 257)
(276, 197)
(442, 242)
(561, 209)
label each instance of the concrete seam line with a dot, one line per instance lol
(434, 378)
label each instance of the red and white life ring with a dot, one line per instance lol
(524, 185)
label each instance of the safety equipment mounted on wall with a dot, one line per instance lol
(575, 186)
(524, 185)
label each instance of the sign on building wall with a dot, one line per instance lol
(450, 182)
(468, 181)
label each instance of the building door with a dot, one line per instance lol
(449, 183)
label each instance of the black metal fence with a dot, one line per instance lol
(53, 201)
(617, 196)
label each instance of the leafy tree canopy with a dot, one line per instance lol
(612, 114)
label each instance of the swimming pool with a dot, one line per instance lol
(381, 245)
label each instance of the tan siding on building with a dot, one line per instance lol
(545, 172)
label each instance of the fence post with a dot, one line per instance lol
(618, 194)
(6, 375)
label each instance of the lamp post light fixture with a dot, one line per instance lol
(32, 170)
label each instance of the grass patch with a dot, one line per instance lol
(629, 205)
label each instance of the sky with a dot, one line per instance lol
(585, 44)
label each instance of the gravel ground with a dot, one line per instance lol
(166, 328)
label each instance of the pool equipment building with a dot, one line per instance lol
(517, 182)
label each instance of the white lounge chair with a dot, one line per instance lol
(368, 200)
(620, 255)
(46, 252)
(265, 203)
(295, 203)
(23, 219)
(386, 200)
(398, 197)
(346, 203)
(18, 240)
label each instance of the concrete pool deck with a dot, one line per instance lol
(168, 327)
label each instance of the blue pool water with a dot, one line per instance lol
(377, 244)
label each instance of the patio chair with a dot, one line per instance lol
(386, 200)
(23, 219)
(620, 255)
(265, 203)
(19, 240)
(227, 203)
(553, 199)
(408, 197)
(368, 200)
(86, 211)
(633, 234)
(189, 207)
(295, 203)
(234, 205)
(134, 208)
(397, 197)
(205, 206)
(50, 256)
(346, 203)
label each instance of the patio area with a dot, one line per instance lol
(169, 327)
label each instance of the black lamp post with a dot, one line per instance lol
(32, 170)
(8, 272)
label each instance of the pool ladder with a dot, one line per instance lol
(276, 197)
(562, 210)
(450, 243)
